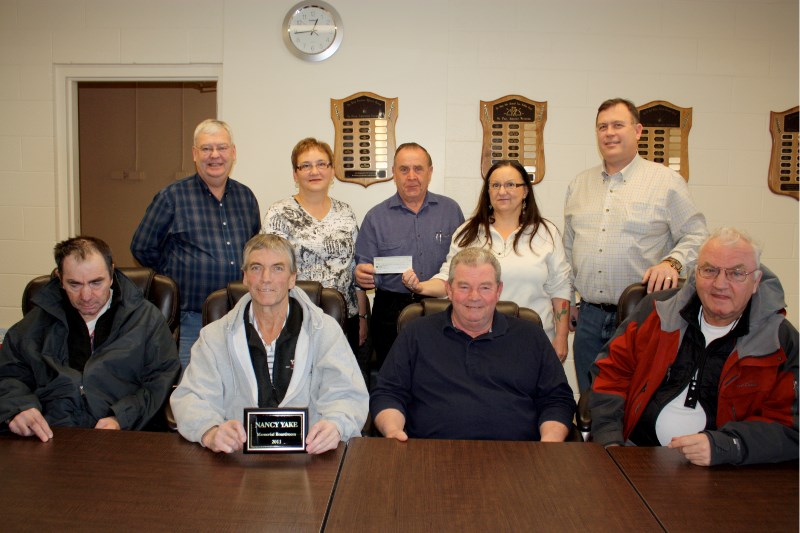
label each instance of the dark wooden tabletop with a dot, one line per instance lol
(685, 497)
(94, 480)
(436, 485)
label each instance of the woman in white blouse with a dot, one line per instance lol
(323, 231)
(535, 272)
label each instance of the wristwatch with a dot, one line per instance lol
(674, 263)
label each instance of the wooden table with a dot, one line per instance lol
(95, 480)
(685, 497)
(437, 485)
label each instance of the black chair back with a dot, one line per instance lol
(160, 290)
(330, 301)
(429, 306)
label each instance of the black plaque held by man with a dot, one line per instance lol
(275, 430)
(365, 141)
(512, 129)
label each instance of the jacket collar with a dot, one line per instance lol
(127, 296)
(312, 315)
(766, 313)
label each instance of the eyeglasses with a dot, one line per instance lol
(731, 274)
(207, 149)
(509, 186)
(319, 165)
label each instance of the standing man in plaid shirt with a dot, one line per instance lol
(626, 221)
(195, 229)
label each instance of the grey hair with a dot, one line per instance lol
(270, 241)
(729, 236)
(212, 125)
(474, 257)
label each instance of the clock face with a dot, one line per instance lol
(313, 31)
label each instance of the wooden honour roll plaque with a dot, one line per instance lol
(784, 163)
(365, 139)
(512, 129)
(665, 135)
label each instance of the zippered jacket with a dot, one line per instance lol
(757, 396)
(220, 382)
(128, 376)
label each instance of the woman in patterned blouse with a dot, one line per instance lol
(323, 231)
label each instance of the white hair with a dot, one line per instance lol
(729, 236)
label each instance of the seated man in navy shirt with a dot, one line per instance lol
(471, 372)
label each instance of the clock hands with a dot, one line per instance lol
(312, 31)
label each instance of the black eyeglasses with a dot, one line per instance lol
(509, 186)
(319, 165)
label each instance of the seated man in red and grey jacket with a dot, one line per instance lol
(710, 370)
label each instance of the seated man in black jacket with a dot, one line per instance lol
(93, 352)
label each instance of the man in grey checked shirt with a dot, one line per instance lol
(628, 220)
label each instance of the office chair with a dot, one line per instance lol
(330, 301)
(429, 306)
(161, 291)
(628, 300)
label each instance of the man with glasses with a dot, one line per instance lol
(710, 370)
(414, 223)
(195, 229)
(625, 221)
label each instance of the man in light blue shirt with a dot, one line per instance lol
(413, 222)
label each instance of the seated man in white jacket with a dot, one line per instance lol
(273, 349)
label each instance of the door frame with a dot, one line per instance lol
(65, 79)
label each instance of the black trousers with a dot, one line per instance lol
(383, 326)
(362, 352)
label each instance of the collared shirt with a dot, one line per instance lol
(617, 226)
(500, 385)
(390, 229)
(90, 324)
(197, 240)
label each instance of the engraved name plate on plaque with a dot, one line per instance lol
(784, 162)
(512, 129)
(365, 139)
(271, 430)
(665, 135)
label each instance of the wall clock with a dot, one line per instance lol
(312, 30)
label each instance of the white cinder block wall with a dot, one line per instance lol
(732, 61)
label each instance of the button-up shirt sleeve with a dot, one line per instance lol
(148, 241)
(391, 229)
(687, 224)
